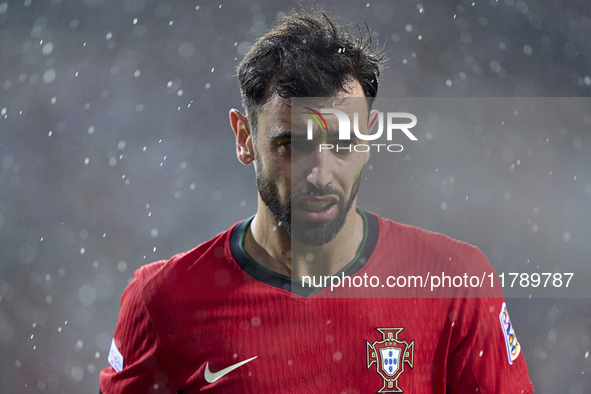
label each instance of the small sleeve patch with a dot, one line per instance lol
(513, 347)
(115, 357)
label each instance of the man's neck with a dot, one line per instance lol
(273, 248)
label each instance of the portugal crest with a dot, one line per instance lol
(390, 354)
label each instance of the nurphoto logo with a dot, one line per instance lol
(392, 125)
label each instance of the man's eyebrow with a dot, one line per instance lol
(281, 135)
(284, 135)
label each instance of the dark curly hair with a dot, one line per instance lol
(306, 54)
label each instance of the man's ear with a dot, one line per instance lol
(244, 142)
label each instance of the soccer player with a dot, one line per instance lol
(227, 317)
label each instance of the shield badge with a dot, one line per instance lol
(390, 355)
(390, 360)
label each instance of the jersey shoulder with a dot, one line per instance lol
(163, 268)
(431, 244)
(186, 271)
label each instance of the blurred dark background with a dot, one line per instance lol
(116, 151)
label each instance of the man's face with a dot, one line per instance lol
(308, 192)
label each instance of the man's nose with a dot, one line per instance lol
(321, 173)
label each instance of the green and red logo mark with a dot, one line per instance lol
(317, 117)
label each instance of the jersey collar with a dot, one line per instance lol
(265, 275)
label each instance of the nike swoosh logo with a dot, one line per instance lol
(213, 376)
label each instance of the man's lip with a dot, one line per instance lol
(332, 199)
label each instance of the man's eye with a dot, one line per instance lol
(293, 144)
(296, 145)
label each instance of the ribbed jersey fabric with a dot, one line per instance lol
(213, 307)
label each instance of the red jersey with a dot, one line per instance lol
(214, 320)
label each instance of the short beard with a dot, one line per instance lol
(303, 232)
